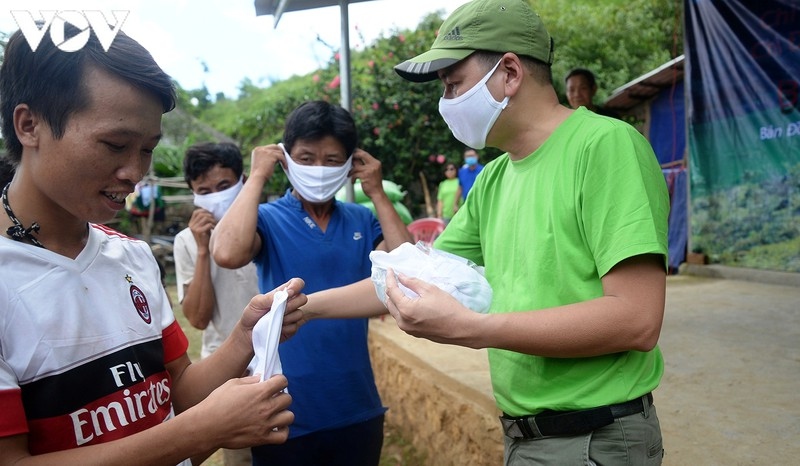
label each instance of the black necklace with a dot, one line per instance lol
(17, 231)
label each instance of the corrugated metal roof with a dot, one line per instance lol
(647, 86)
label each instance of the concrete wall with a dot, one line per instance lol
(448, 421)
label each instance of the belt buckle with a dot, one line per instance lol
(511, 427)
(520, 428)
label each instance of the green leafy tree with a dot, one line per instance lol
(399, 122)
(619, 41)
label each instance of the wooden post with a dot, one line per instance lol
(428, 205)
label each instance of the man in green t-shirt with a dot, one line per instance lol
(571, 227)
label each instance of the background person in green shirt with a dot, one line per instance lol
(447, 199)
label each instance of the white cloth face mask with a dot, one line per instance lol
(316, 183)
(471, 115)
(266, 336)
(219, 202)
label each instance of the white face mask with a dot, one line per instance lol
(471, 115)
(316, 183)
(218, 203)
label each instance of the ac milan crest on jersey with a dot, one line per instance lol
(140, 302)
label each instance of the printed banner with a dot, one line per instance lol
(743, 86)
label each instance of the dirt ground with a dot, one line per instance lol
(731, 388)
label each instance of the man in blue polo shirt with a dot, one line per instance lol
(468, 172)
(308, 233)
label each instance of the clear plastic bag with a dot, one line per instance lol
(459, 277)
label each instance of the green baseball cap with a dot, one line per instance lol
(489, 25)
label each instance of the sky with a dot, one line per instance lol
(218, 43)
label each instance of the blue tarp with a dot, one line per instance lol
(667, 131)
(743, 108)
(678, 213)
(667, 134)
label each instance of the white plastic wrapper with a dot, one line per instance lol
(266, 336)
(460, 277)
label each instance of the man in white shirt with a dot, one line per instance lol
(212, 297)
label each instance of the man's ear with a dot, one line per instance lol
(27, 125)
(514, 70)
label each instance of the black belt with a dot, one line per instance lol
(570, 423)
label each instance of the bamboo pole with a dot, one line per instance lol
(428, 205)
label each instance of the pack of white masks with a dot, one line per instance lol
(461, 278)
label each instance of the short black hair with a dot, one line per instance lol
(582, 72)
(202, 157)
(313, 120)
(6, 171)
(51, 81)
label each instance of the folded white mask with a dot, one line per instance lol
(266, 336)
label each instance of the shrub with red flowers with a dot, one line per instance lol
(399, 121)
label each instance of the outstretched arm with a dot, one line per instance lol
(193, 382)
(627, 317)
(235, 240)
(356, 300)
